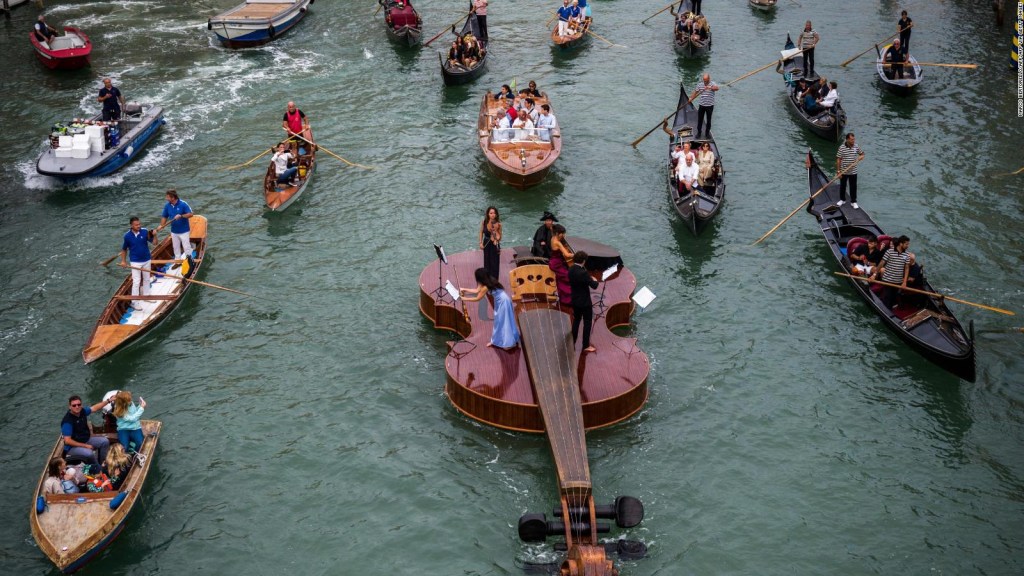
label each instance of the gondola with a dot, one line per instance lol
(520, 157)
(571, 40)
(256, 22)
(401, 21)
(72, 529)
(912, 73)
(68, 52)
(685, 45)
(119, 324)
(763, 5)
(697, 209)
(455, 75)
(924, 323)
(828, 124)
(279, 196)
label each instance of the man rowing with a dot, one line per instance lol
(135, 249)
(296, 123)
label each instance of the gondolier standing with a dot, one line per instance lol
(480, 7)
(808, 40)
(846, 157)
(178, 211)
(112, 101)
(904, 26)
(706, 89)
(136, 248)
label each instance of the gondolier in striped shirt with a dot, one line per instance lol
(480, 7)
(807, 40)
(706, 89)
(848, 155)
(895, 269)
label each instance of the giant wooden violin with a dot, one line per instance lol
(547, 386)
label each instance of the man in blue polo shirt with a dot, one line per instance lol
(78, 439)
(136, 248)
(563, 18)
(112, 101)
(178, 211)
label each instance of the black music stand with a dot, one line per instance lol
(440, 293)
(600, 305)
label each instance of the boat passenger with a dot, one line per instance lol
(564, 13)
(135, 249)
(531, 109)
(896, 57)
(179, 213)
(281, 159)
(687, 172)
(471, 51)
(505, 93)
(681, 28)
(505, 333)
(112, 101)
(682, 150)
(865, 257)
(78, 439)
(532, 89)
(542, 237)
(455, 55)
(129, 426)
(700, 30)
(830, 99)
(524, 126)
(895, 269)
(513, 109)
(116, 466)
(584, 9)
(69, 485)
(44, 32)
(705, 163)
(295, 123)
(545, 122)
(502, 132)
(55, 476)
(810, 104)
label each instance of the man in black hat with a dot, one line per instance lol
(542, 237)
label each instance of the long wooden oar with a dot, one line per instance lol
(762, 68)
(644, 21)
(874, 46)
(553, 16)
(379, 6)
(804, 203)
(151, 271)
(461, 18)
(262, 154)
(926, 293)
(662, 122)
(911, 65)
(610, 43)
(329, 152)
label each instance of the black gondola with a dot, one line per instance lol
(685, 45)
(695, 209)
(455, 75)
(828, 124)
(923, 322)
(401, 21)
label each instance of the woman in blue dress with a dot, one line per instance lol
(505, 334)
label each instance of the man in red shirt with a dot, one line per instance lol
(295, 122)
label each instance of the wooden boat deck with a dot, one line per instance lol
(518, 161)
(258, 10)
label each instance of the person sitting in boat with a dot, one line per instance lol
(532, 90)
(524, 126)
(865, 257)
(545, 122)
(513, 109)
(705, 163)
(531, 109)
(112, 101)
(295, 122)
(564, 13)
(681, 28)
(505, 93)
(470, 51)
(282, 160)
(455, 55)
(810, 103)
(116, 466)
(682, 150)
(821, 87)
(79, 441)
(44, 32)
(894, 269)
(501, 126)
(700, 30)
(55, 473)
(896, 57)
(830, 98)
(687, 172)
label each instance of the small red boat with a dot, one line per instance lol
(67, 52)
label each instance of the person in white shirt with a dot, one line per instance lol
(830, 99)
(523, 126)
(681, 151)
(501, 125)
(687, 172)
(281, 158)
(546, 121)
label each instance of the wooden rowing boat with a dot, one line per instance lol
(401, 21)
(72, 529)
(519, 157)
(926, 324)
(118, 325)
(699, 208)
(912, 73)
(685, 44)
(279, 196)
(458, 74)
(256, 22)
(763, 5)
(68, 52)
(828, 124)
(572, 40)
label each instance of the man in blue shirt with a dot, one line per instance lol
(178, 211)
(78, 439)
(563, 18)
(136, 248)
(112, 101)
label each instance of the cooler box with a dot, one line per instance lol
(80, 146)
(96, 138)
(63, 147)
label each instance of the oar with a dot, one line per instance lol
(911, 65)
(379, 6)
(151, 271)
(661, 123)
(452, 25)
(554, 15)
(804, 203)
(610, 43)
(262, 154)
(114, 257)
(329, 152)
(926, 293)
(748, 74)
(873, 46)
(644, 21)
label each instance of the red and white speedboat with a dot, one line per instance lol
(67, 52)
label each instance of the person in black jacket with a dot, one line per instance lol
(542, 237)
(582, 308)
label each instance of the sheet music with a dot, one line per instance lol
(608, 273)
(452, 290)
(644, 297)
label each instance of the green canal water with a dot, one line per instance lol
(306, 430)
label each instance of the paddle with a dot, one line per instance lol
(553, 16)
(762, 68)
(662, 122)
(644, 21)
(875, 45)
(328, 151)
(911, 65)
(452, 26)
(926, 293)
(603, 38)
(262, 154)
(804, 203)
(114, 257)
(188, 280)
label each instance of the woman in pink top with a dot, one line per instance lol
(480, 6)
